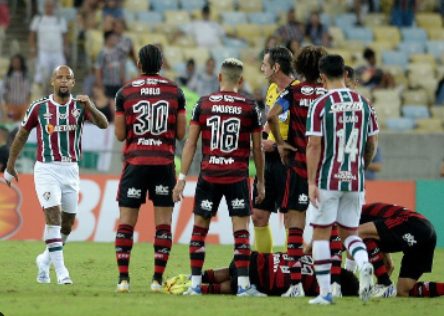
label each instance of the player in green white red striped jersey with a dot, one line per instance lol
(342, 130)
(59, 121)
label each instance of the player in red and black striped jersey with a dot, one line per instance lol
(150, 116)
(297, 98)
(268, 271)
(389, 228)
(227, 122)
(59, 120)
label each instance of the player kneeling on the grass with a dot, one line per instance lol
(59, 120)
(150, 116)
(227, 122)
(269, 272)
(388, 228)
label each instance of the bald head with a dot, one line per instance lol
(231, 70)
(63, 69)
(63, 81)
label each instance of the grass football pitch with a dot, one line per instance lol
(94, 272)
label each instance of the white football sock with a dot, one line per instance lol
(54, 245)
(357, 249)
(322, 265)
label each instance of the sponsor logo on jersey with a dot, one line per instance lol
(306, 102)
(216, 98)
(206, 205)
(150, 91)
(138, 83)
(49, 128)
(60, 128)
(149, 142)
(63, 116)
(46, 196)
(238, 204)
(66, 159)
(303, 198)
(221, 160)
(161, 190)
(307, 90)
(346, 107)
(134, 193)
(226, 109)
(76, 113)
(410, 239)
(47, 116)
(155, 81)
(345, 176)
(321, 91)
(229, 98)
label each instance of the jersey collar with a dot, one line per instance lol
(51, 98)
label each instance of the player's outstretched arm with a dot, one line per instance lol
(16, 148)
(259, 162)
(97, 117)
(187, 158)
(370, 150)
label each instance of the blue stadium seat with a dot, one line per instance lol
(400, 124)
(415, 111)
(262, 18)
(233, 18)
(395, 58)
(149, 17)
(413, 34)
(221, 53)
(163, 5)
(345, 21)
(70, 14)
(435, 48)
(130, 16)
(277, 6)
(234, 43)
(190, 5)
(363, 34)
(411, 47)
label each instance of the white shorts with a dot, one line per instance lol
(344, 208)
(57, 183)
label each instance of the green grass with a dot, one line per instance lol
(93, 269)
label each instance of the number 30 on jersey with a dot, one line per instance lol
(151, 118)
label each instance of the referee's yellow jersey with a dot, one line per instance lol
(284, 118)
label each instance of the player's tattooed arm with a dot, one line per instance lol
(370, 150)
(16, 148)
(97, 117)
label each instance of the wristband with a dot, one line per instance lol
(182, 177)
(8, 177)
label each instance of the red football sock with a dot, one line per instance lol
(294, 253)
(163, 242)
(124, 244)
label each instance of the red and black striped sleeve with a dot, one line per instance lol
(256, 125)
(195, 116)
(182, 101)
(120, 101)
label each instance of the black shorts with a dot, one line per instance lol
(136, 180)
(275, 177)
(208, 196)
(296, 192)
(111, 91)
(254, 277)
(416, 238)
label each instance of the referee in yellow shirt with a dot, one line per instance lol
(277, 68)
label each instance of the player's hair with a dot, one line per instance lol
(332, 66)
(232, 70)
(307, 61)
(368, 53)
(349, 283)
(350, 73)
(282, 56)
(150, 58)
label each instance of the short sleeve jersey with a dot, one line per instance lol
(344, 120)
(226, 121)
(150, 104)
(59, 128)
(297, 99)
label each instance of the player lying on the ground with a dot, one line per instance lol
(389, 229)
(270, 274)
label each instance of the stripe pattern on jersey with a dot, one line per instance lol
(344, 119)
(394, 214)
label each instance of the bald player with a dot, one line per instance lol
(59, 120)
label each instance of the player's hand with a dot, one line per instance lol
(284, 151)
(84, 101)
(260, 186)
(10, 174)
(313, 192)
(178, 191)
(267, 145)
